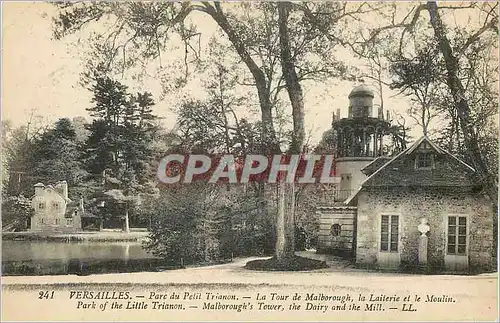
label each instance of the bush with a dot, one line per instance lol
(295, 263)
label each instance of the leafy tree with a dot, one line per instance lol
(212, 127)
(419, 78)
(298, 54)
(58, 155)
(18, 144)
(459, 93)
(47, 155)
(327, 143)
(120, 145)
(187, 224)
(16, 213)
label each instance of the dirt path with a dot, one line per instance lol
(474, 298)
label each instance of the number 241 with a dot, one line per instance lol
(45, 294)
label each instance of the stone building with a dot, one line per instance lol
(359, 141)
(54, 211)
(393, 195)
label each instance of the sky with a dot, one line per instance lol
(40, 76)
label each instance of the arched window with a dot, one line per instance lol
(336, 228)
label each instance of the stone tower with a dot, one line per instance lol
(359, 138)
(359, 141)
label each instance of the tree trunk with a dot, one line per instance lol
(126, 227)
(463, 110)
(285, 221)
(282, 245)
(292, 81)
(285, 240)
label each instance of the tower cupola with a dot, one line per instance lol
(361, 133)
(361, 102)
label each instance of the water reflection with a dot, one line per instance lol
(42, 250)
(55, 258)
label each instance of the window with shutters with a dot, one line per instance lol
(457, 235)
(389, 233)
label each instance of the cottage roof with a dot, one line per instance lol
(53, 189)
(374, 165)
(401, 155)
(70, 211)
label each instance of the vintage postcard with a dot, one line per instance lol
(249, 161)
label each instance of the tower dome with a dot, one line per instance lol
(361, 90)
(361, 102)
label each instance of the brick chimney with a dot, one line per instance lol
(62, 188)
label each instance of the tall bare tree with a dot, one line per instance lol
(140, 31)
(406, 25)
(457, 89)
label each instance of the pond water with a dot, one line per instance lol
(56, 258)
(48, 250)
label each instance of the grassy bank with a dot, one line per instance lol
(100, 236)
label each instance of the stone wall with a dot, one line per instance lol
(435, 204)
(344, 216)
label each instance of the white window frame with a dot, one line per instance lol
(467, 235)
(389, 241)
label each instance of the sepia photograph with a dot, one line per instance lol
(250, 161)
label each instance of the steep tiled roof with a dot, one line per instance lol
(51, 188)
(401, 171)
(71, 207)
(375, 165)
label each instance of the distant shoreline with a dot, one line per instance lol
(85, 236)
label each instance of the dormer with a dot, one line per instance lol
(425, 156)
